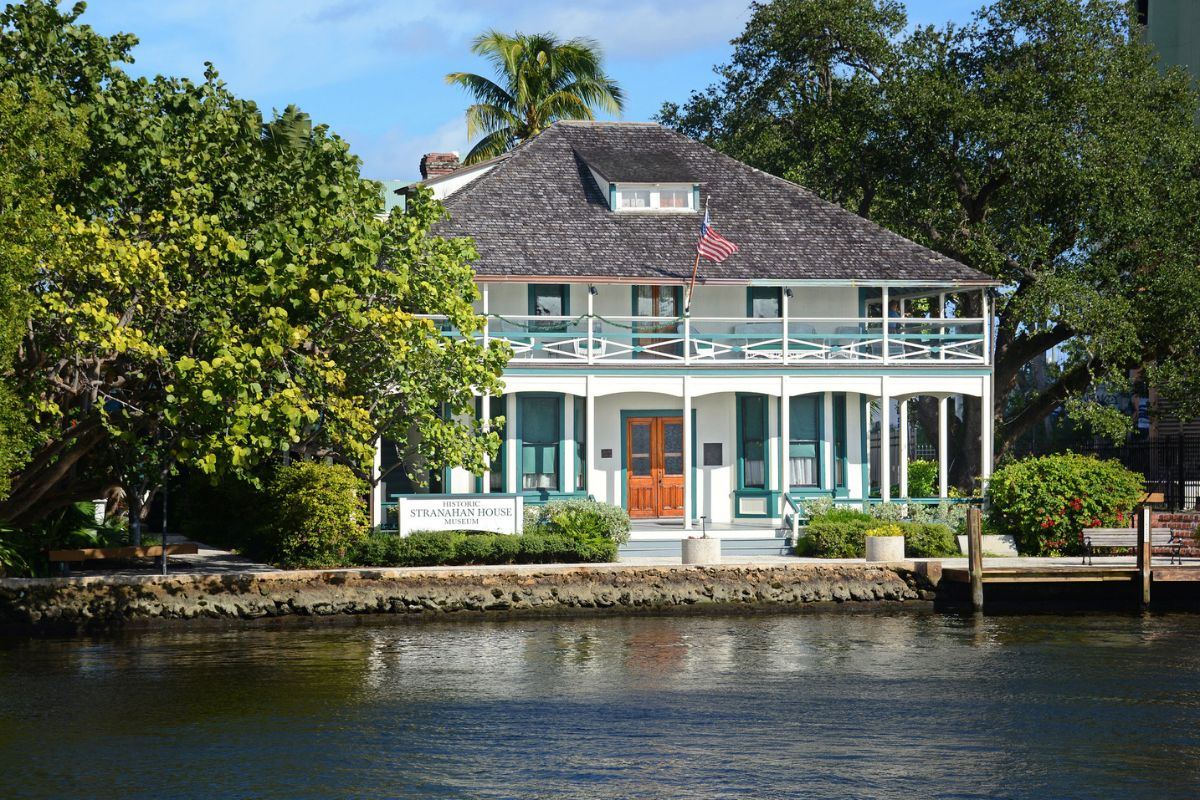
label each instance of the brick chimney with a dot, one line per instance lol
(434, 164)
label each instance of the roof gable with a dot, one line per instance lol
(540, 213)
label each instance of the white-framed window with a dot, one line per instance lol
(654, 197)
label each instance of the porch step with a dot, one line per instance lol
(665, 548)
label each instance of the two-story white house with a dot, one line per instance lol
(736, 403)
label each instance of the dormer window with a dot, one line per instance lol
(655, 197)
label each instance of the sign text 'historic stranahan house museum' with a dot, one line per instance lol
(729, 387)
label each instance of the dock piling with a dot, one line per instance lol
(1144, 552)
(975, 555)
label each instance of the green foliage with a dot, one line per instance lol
(23, 551)
(1040, 143)
(922, 478)
(846, 515)
(432, 548)
(583, 519)
(951, 515)
(816, 506)
(886, 512)
(885, 530)
(541, 80)
(317, 515)
(1045, 502)
(229, 513)
(223, 284)
(838, 539)
(929, 540)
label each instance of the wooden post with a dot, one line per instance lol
(975, 555)
(1144, 553)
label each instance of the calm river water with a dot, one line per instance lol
(905, 704)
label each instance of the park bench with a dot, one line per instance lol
(64, 557)
(1113, 538)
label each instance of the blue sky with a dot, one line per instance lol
(373, 69)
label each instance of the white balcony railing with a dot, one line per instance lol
(720, 341)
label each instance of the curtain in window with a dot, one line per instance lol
(804, 448)
(540, 442)
(754, 445)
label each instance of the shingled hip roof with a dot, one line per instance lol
(540, 214)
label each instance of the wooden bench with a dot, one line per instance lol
(64, 557)
(1112, 538)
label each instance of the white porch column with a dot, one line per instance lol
(943, 455)
(591, 324)
(512, 472)
(485, 417)
(986, 433)
(887, 356)
(567, 456)
(377, 485)
(903, 420)
(785, 435)
(786, 294)
(589, 425)
(885, 444)
(487, 328)
(687, 453)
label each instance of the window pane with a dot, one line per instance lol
(539, 448)
(839, 440)
(580, 445)
(668, 305)
(635, 198)
(673, 198)
(549, 301)
(766, 302)
(753, 442)
(644, 300)
(673, 448)
(804, 427)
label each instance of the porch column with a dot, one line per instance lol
(486, 321)
(903, 406)
(887, 356)
(377, 485)
(687, 453)
(785, 435)
(589, 425)
(943, 455)
(986, 424)
(885, 444)
(512, 476)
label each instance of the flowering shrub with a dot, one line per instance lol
(1045, 502)
(886, 530)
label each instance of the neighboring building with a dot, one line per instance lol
(756, 397)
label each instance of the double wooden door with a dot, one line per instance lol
(654, 465)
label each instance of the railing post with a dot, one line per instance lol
(687, 338)
(884, 312)
(1144, 552)
(785, 292)
(942, 329)
(591, 328)
(975, 555)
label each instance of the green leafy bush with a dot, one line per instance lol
(435, 548)
(922, 478)
(952, 515)
(886, 512)
(581, 519)
(847, 515)
(929, 540)
(1045, 502)
(832, 539)
(317, 516)
(885, 530)
(819, 506)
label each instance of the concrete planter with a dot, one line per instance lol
(885, 548)
(701, 551)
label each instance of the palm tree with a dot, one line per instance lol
(543, 80)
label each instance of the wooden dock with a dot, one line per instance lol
(1140, 570)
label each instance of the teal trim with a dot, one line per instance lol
(772, 496)
(564, 290)
(862, 302)
(864, 447)
(542, 496)
(741, 443)
(696, 196)
(562, 411)
(625, 415)
(612, 197)
(825, 479)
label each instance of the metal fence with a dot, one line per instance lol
(1171, 466)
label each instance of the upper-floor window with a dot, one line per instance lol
(655, 198)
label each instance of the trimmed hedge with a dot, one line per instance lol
(434, 548)
(843, 534)
(1045, 502)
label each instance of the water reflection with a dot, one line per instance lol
(868, 705)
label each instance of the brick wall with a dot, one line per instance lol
(1184, 524)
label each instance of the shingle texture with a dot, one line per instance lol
(540, 213)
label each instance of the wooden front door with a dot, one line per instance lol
(654, 466)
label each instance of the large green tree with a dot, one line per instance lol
(1040, 144)
(216, 288)
(541, 80)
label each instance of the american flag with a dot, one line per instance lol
(712, 245)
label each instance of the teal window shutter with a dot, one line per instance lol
(804, 445)
(541, 437)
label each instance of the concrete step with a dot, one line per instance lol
(659, 548)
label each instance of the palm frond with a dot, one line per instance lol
(496, 143)
(483, 118)
(482, 89)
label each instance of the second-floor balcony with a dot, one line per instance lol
(723, 341)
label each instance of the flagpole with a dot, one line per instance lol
(687, 308)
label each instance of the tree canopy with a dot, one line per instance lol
(541, 80)
(216, 287)
(1040, 143)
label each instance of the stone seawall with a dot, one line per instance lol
(80, 604)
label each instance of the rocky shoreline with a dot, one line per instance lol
(70, 605)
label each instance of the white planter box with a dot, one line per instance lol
(885, 548)
(701, 551)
